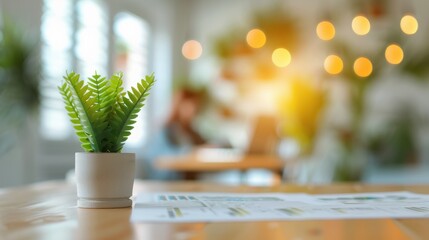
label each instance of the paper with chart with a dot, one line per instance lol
(216, 207)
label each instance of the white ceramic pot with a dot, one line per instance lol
(104, 180)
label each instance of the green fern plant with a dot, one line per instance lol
(101, 112)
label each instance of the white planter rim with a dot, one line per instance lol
(104, 153)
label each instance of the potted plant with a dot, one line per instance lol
(103, 114)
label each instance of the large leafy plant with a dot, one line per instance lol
(101, 112)
(19, 83)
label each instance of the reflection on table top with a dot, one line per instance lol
(48, 211)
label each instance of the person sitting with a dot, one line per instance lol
(178, 135)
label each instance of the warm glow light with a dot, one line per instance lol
(325, 30)
(256, 38)
(394, 54)
(281, 57)
(192, 50)
(333, 64)
(362, 67)
(409, 24)
(361, 25)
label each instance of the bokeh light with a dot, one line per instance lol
(333, 64)
(325, 30)
(192, 49)
(394, 54)
(256, 38)
(362, 67)
(409, 24)
(361, 25)
(281, 57)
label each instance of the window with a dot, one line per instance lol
(91, 49)
(75, 37)
(57, 44)
(131, 44)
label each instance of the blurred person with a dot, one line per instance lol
(180, 128)
(178, 134)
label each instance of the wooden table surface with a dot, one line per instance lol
(194, 163)
(48, 211)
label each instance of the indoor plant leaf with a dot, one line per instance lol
(101, 112)
(126, 112)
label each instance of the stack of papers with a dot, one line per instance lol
(220, 207)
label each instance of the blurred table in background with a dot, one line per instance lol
(48, 211)
(215, 160)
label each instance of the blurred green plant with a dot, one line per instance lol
(351, 161)
(279, 27)
(19, 81)
(395, 145)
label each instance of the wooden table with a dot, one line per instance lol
(48, 211)
(196, 163)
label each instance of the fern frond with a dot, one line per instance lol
(116, 82)
(74, 117)
(99, 87)
(126, 111)
(84, 103)
(112, 98)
